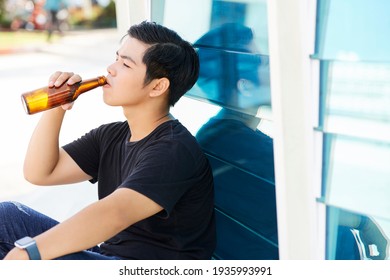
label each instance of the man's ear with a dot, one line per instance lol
(160, 86)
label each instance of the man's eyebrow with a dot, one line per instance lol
(126, 57)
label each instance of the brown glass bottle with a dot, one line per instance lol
(50, 97)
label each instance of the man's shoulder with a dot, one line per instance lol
(110, 130)
(113, 126)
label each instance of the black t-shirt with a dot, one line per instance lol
(167, 166)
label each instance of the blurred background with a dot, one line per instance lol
(83, 39)
(26, 21)
(73, 14)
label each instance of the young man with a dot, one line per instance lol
(155, 185)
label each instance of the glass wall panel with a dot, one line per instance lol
(239, 81)
(239, 243)
(196, 18)
(356, 174)
(353, 30)
(233, 186)
(355, 122)
(355, 98)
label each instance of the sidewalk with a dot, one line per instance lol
(87, 53)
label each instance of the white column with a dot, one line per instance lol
(129, 12)
(291, 41)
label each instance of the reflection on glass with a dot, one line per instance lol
(245, 12)
(353, 30)
(355, 119)
(233, 76)
(232, 73)
(355, 98)
(356, 174)
(352, 236)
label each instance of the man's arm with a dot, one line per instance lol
(93, 225)
(45, 163)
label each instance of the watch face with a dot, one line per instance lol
(24, 242)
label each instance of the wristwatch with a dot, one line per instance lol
(29, 244)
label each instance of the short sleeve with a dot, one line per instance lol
(85, 152)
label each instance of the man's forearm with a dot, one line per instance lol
(43, 150)
(94, 224)
(89, 227)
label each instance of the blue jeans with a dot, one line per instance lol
(18, 221)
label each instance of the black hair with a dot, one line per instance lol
(168, 56)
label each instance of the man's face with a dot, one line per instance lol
(126, 76)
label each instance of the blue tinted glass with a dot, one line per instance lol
(355, 98)
(242, 160)
(234, 139)
(233, 79)
(259, 210)
(353, 30)
(251, 14)
(235, 242)
(352, 236)
(232, 71)
(356, 174)
(193, 19)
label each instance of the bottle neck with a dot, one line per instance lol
(90, 84)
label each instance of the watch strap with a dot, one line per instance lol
(31, 248)
(33, 252)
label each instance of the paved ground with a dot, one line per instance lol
(88, 53)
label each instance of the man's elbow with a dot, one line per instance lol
(34, 178)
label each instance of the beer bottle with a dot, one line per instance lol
(50, 97)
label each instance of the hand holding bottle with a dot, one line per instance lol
(63, 89)
(59, 78)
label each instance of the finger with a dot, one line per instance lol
(62, 78)
(53, 78)
(74, 79)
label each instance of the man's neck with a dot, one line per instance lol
(141, 125)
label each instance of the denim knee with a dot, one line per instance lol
(9, 209)
(8, 212)
(22, 220)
